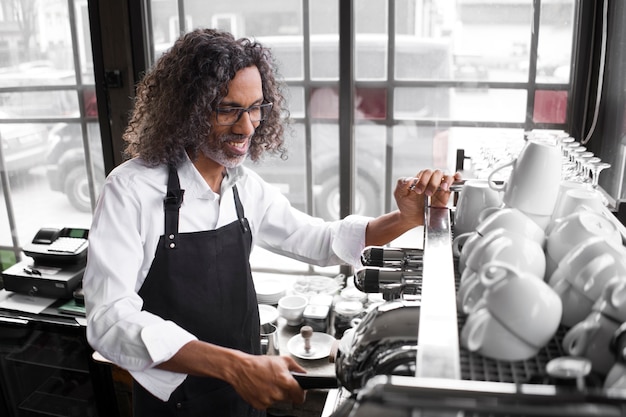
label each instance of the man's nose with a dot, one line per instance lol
(244, 125)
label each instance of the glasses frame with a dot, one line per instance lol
(241, 111)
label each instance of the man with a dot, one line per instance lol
(168, 287)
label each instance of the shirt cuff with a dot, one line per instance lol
(158, 382)
(162, 348)
(349, 239)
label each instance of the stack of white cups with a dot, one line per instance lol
(502, 265)
(512, 311)
(586, 266)
(547, 255)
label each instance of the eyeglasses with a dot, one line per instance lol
(228, 116)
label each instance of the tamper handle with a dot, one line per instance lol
(306, 332)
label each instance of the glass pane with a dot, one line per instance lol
(34, 203)
(492, 40)
(38, 71)
(370, 163)
(417, 147)
(324, 39)
(39, 104)
(67, 165)
(556, 33)
(422, 59)
(24, 146)
(324, 103)
(424, 40)
(371, 40)
(289, 54)
(493, 105)
(550, 106)
(414, 103)
(288, 175)
(370, 141)
(325, 151)
(295, 102)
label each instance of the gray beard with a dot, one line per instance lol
(219, 156)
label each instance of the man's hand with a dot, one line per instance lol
(411, 193)
(264, 380)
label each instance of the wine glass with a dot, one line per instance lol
(581, 159)
(595, 169)
(587, 167)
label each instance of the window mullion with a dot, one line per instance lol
(346, 107)
(532, 67)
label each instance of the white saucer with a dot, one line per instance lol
(269, 289)
(310, 285)
(321, 344)
(267, 314)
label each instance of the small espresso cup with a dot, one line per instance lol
(475, 196)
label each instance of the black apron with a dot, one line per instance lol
(202, 281)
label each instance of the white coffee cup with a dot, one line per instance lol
(291, 307)
(575, 199)
(484, 334)
(509, 219)
(573, 229)
(475, 196)
(511, 248)
(612, 301)
(579, 290)
(591, 338)
(533, 184)
(470, 293)
(583, 273)
(616, 378)
(517, 315)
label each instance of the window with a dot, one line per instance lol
(51, 154)
(430, 76)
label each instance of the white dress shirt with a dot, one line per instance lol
(126, 227)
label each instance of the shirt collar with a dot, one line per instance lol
(193, 183)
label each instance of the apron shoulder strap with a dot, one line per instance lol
(172, 202)
(243, 222)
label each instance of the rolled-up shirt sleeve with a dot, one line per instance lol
(117, 327)
(290, 232)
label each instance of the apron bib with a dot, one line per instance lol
(202, 282)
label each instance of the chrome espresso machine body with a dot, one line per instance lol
(405, 359)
